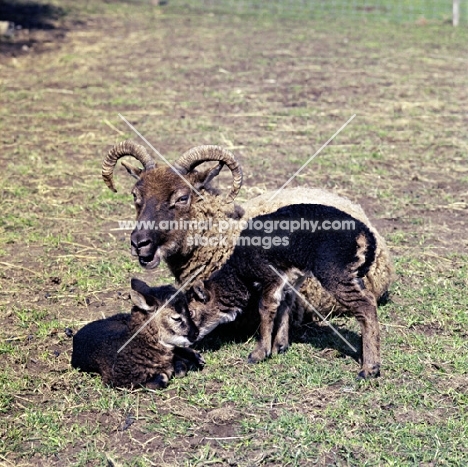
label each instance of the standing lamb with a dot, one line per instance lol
(381, 272)
(151, 358)
(338, 259)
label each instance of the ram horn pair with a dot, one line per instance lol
(184, 165)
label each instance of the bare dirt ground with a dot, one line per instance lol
(273, 91)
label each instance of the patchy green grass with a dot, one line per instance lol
(402, 11)
(273, 90)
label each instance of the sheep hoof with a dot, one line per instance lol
(180, 369)
(251, 359)
(187, 359)
(199, 360)
(257, 356)
(158, 382)
(279, 348)
(369, 371)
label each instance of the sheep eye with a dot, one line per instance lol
(178, 319)
(136, 199)
(183, 199)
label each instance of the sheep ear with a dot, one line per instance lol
(200, 292)
(135, 172)
(143, 302)
(205, 177)
(141, 296)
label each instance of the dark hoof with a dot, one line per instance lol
(371, 372)
(180, 369)
(199, 360)
(192, 359)
(251, 359)
(158, 382)
(257, 356)
(280, 349)
(186, 359)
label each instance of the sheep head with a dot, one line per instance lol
(206, 309)
(165, 194)
(172, 325)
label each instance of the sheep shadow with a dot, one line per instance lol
(317, 334)
(20, 18)
(345, 342)
(30, 15)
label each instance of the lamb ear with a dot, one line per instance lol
(200, 292)
(141, 296)
(143, 302)
(135, 172)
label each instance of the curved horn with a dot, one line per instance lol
(196, 156)
(124, 148)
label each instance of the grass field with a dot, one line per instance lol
(400, 11)
(273, 90)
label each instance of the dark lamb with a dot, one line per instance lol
(151, 357)
(338, 259)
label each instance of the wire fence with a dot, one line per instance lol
(387, 10)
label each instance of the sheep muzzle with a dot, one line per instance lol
(143, 246)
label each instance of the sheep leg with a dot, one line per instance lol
(361, 302)
(186, 359)
(281, 341)
(284, 313)
(269, 303)
(370, 344)
(159, 381)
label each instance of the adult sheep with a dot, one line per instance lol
(165, 195)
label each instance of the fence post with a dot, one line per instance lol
(456, 12)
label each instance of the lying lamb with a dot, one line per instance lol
(151, 357)
(338, 259)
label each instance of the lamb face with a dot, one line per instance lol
(206, 309)
(164, 314)
(176, 328)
